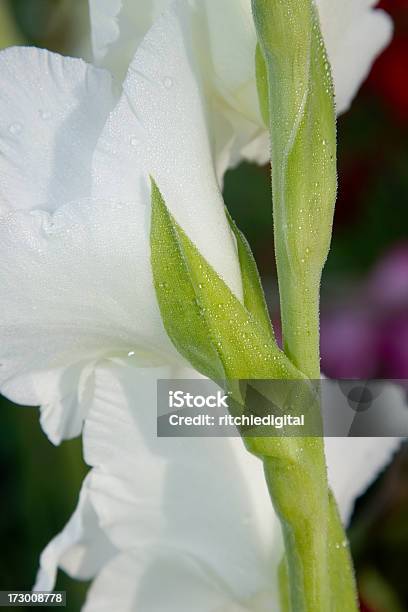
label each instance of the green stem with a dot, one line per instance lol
(299, 300)
(296, 98)
(318, 560)
(340, 568)
(295, 472)
(299, 495)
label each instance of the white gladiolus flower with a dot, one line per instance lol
(80, 325)
(224, 45)
(75, 201)
(167, 524)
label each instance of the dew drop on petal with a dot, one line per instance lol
(15, 128)
(48, 226)
(131, 353)
(167, 82)
(133, 141)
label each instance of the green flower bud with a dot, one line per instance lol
(303, 157)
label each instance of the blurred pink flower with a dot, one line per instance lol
(348, 345)
(388, 286)
(393, 348)
(370, 340)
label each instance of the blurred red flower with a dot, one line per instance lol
(389, 77)
(393, 6)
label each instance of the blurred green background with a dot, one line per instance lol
(364, 312)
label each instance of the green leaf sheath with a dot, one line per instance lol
(254, 298)
(262, 84)
(283, 580)
(342, 598)
(343, 587)
(181, 312)
(209, 326)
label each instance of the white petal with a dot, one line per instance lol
(223, 62)
(223, 50)
(104, 27)
(355, 34)
(160, 125)
(202, 497)
(76, 286)
(353, 464)
(63, 414)
(232, 42)
(117, 27)
(166, 582)
(63, 395)
(52, 110)
(193, 514)
(81, 549)
(235, 139)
